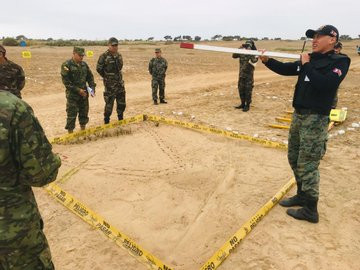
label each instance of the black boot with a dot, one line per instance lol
(163, 101)
(106, 120)
(155, 102)
(120, 116)
(246, 107)
(241, 106)
(308, 212)
(297, 200)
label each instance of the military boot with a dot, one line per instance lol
(163, 101)
(106, 120)
(308, 212)
(246, 107)
(155, 102)
(297, 200)
(70, 131)
(120, 116)
(82, 127)
(241, 106)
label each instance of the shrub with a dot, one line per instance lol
(10, 42)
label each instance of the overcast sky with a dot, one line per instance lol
(96, 19)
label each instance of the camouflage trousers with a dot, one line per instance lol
(307, 139)
(109, 98)
(77, 106)
(31, 252)
(158, 83)
(245, 87)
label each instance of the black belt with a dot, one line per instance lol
(306, 111)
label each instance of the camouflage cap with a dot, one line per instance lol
(113, 41)
(2, 49)
(249, 44)
(158, 50)
(79, 51)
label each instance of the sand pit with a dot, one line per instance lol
(166, 187)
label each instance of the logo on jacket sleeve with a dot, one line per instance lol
(337, 71)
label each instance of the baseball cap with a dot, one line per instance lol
(157, 50)
(113, 41)
(79, 51)
(327, 30)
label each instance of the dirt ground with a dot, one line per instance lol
(159, 184)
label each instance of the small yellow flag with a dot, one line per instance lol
(89, 54)
(26, 54)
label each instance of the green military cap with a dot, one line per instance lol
(79, 51)
(158, 50)
(2, 49)
(113, 41)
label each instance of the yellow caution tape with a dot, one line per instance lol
(279, 126)
(245, 229)
(89, 131)
(283, 119)
(105, 227)
(216, 131)
(72, 171)
(26, 54)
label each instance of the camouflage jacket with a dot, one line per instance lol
(12, 78)
(26, 159)
(109, 67)
(75, 76)
(246, 68)
(158, 67)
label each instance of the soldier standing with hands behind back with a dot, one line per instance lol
(319, 76)
(75, 74)
(246, 75)
(157, 68)
(109, 67)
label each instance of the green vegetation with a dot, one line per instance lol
(10, 42)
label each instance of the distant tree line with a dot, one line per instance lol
(11, 41)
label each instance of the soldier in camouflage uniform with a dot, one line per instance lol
(109, 67)
(26, 160)
(12, 76)
(246, 75)
(75, 74)
(319, 76)
(157, 68)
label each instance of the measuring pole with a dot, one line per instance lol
(239, 51)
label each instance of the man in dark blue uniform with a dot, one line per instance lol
(319, 76)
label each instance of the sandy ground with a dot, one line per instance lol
(163, 186)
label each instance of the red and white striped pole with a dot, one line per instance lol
(239, 51)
